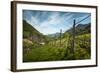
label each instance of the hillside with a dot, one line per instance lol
(30, 33)
(81, 29)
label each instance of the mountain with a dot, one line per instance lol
(30, 33)
(53, 35)
(81, 29)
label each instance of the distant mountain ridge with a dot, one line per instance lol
(53, 35)
(81, 29)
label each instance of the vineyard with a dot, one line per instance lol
(65, 46)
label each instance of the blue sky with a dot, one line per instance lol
(49, 22)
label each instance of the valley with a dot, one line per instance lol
(58, 46)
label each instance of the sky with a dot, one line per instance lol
(50, 22)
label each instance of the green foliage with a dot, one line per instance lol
(84, 42)
(82, 48)
(81, 53)
(26, 44)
